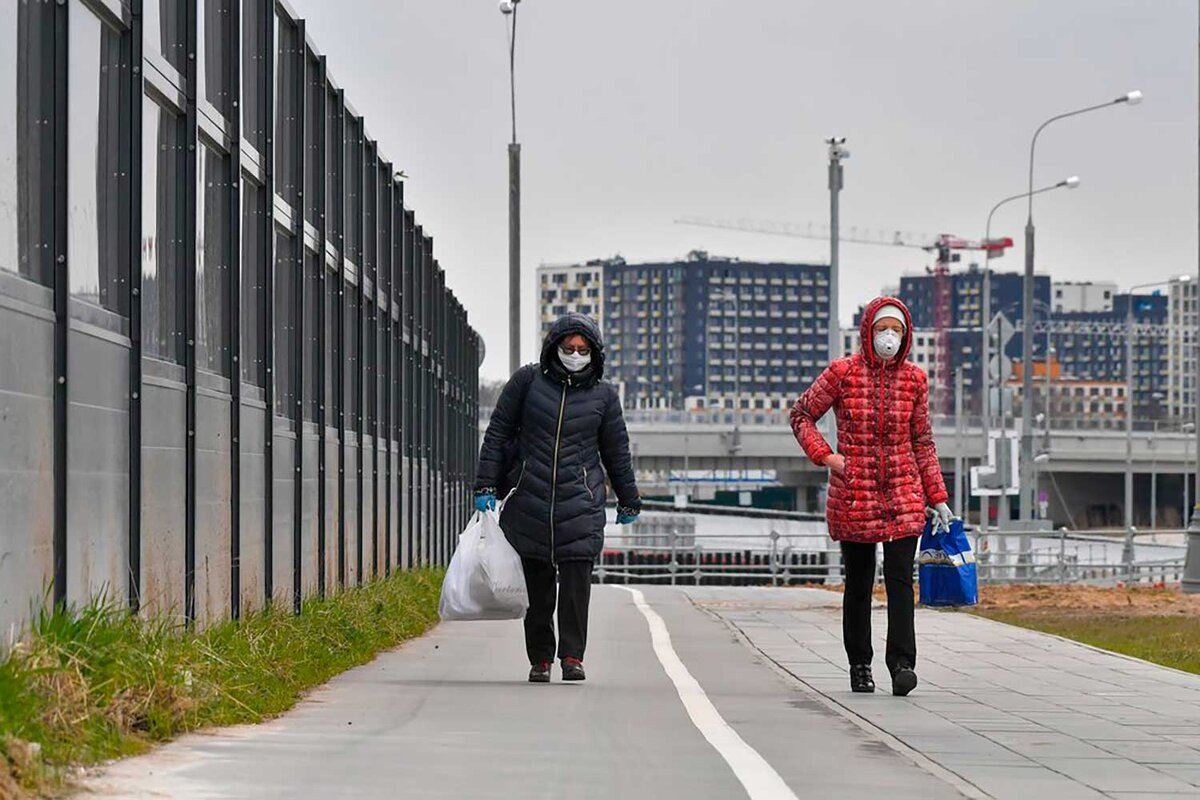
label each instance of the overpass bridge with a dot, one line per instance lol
(1083, 477)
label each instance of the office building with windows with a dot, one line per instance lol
(569, 288)
(232, 373)
(1183, 320)
(702, 332)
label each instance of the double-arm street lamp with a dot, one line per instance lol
(1027, 490)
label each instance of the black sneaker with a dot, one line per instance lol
(861, 680)
(572, 669)
(904, 680)
(540, 673)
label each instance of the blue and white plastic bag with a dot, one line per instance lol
(946, 567)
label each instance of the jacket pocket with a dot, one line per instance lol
(520, 477)
(583, 471)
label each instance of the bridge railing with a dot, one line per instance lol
(781, 418)
(687, 557)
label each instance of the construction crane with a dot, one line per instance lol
(944, 246)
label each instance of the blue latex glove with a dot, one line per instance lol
(485, 502)
(626, 519)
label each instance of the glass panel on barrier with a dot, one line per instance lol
(95, 77)
(164, 33)
(212, 261)
(253, 283)
(285, 323)
(254, 73)
(213, 19)
(312, 298)
(162, 232)
(287, 123)
(26, 158)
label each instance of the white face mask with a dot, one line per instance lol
(887, 344)
(574, 362)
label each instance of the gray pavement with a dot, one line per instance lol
(1001, 712)
(449, 716)
(1016, 713)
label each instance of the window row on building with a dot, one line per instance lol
(234, 371)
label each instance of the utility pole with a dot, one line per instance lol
(837, 154)
(1191, 568)
(509, 9)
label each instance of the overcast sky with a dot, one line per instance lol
(634, 112)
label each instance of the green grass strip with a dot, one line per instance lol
(1173, 641)
(95, 683)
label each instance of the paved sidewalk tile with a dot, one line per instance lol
(1014, 712)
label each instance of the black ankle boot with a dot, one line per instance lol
(904, 680)
(861, 679)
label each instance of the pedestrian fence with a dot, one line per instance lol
(670, 551)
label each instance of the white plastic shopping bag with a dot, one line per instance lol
(485, 579)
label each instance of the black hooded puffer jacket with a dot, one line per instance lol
(569, 426)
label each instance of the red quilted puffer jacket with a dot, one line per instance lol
(885, 435)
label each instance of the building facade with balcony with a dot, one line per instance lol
(569, 288)
(1183, 321)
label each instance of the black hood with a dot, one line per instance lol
(568, 326)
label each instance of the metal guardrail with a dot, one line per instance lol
(1053, 557)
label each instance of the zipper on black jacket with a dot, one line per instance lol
(562, 405)
(583, 470)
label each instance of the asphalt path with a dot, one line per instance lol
(676, 705)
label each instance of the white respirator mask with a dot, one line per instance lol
(887, 344)
(574, 362)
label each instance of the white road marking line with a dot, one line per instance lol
(758, 777)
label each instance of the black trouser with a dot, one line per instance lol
(574, 590)
(859, 563)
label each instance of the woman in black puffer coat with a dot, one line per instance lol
(556, 432)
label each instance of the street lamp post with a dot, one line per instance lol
(837, 154)
(1127, 553)
(986, 307)
(509, 9)
(1131, 98)
(1187, 428)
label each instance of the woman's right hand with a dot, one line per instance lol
(836, 462)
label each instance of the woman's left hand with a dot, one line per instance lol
(942, 516)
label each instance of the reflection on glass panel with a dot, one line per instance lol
(369, 201)
(315, 91)
(212, 261)
(94, 242)
(352, 388)
(353, 166)
(370, 365)
(385, 231)
(163, 24)
(285, 323)
(26, 159)
(333, 172)
(312, 298)
(287, 122)
(213, 20)
(331, 354)
(162, 232)
(381, 375)
(254, 72)
(253, 283)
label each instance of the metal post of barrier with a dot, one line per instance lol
(774, 557)
(699, 566)
(1062, 556)
(674, 557)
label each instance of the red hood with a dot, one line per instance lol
(867, 340)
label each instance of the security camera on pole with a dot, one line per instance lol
(509, 9)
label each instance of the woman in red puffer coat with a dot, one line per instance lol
(882, 478)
